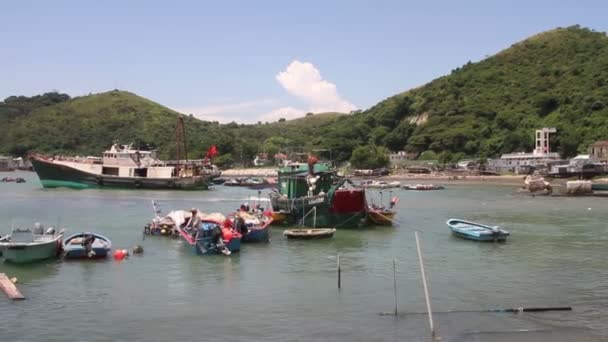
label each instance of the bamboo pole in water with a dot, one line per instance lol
(395, 286)
(426, 290)
(339, 273)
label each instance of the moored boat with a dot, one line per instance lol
(253, 228)
(310, 187)
(476, 231)
(120, 167)
(86, 246)
(27, 245)
(123, 166)
(166, 225)
(380, 216)
(375, 184)
(309, 233)
(423, 187)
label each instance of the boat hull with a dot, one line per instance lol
(21, 254)
(53, 175)
(204, 247)
(346, 209)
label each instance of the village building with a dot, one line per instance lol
(522, 162)
(599, 151)
(397, 158)
(6, 164)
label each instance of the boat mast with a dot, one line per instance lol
(180, 140)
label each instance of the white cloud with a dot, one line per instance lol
(303, 79)
(227, 112)
(300, 79)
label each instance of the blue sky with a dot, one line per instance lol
(261, 60)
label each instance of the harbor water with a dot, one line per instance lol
(287, 290)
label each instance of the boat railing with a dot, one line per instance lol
(314, 212)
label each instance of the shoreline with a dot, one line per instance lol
(438, 177)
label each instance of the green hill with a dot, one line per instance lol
(87, 124)
(557, 78)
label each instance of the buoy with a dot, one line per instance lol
(163, 231)
(138, 249)
(14, 280)
(119, 254)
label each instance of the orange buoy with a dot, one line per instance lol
(119, 254)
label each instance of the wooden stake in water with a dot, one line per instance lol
(339, 275)
(395, 287)
(426, 290)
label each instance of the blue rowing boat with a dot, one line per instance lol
(86, 246)
(476, 231)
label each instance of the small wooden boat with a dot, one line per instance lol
(309, 233)
(279, 217)
(213, 235)
(423, 187)
(380, 216)
(86, 246)
(23, 246)
(476, 231)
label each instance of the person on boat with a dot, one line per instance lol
(38, 229)
(240, 226)
(194, 221)
(87, 243)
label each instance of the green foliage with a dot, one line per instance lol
(428, 155)
(370, 157)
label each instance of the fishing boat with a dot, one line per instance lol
(304, 187)
(309, 233)
(123, 166)
(212, 235)
(476, 231)
(254, 227)
(166, 225)
(423, 187)
(86, 246)
(27, 245)
(380, 215)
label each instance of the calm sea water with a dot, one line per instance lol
(287, 291)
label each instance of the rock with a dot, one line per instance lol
(138, 249)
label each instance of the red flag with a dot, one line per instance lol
(212, 152)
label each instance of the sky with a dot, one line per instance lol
(250, 61)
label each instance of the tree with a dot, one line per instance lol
(370, 157)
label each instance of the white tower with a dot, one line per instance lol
(542, 140)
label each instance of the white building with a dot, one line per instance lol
(522, 162)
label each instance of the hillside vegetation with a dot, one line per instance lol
(558, 78)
